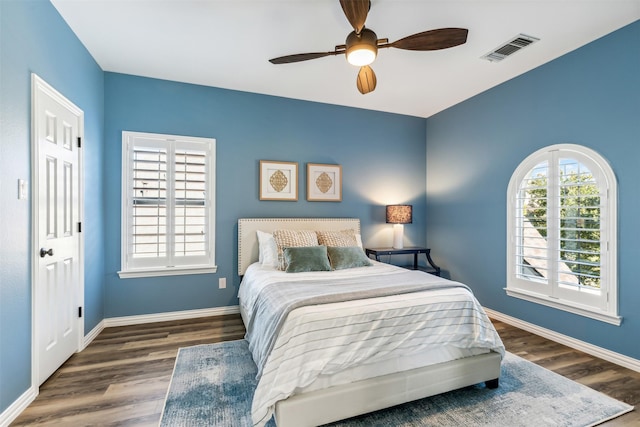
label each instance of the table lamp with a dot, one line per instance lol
(398, 215)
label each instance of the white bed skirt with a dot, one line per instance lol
(340, 402)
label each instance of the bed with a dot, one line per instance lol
(335, 357)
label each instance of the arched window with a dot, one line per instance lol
(561, 232)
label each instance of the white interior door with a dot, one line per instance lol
(57, 127)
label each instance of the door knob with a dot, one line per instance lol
(44, 252)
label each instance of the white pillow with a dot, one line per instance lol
(268, 250)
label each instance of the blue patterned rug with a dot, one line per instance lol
(212, 385)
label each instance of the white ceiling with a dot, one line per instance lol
(227, 44)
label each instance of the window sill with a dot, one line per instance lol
(165, 271)
(563, 305)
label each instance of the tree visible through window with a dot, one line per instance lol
(579, 221)
(561, 244)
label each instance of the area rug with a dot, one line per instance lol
(213, 384)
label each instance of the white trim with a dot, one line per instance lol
(157, 266)
(168, 271)
(564, 305)
(39, 86)
(20, 404)
(594, 350)
(172, 315)
(604, 306)
(158, 317)
(93, 334)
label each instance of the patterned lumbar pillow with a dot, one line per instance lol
(292, 239)
(337, 238)
(309, 258)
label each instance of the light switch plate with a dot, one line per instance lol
(22, 189)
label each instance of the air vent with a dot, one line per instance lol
(509, 48)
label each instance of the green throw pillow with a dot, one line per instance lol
(306, 258)
(347, 257)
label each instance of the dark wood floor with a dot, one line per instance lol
(121, 378)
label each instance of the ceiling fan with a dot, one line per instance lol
(362, 44)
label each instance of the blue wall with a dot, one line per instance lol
(34, 38)
(382, 157)
(589, 97)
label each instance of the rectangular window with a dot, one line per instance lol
(168, 205)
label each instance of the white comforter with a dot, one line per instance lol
(321, 340)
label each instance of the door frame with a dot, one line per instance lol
(38, 87)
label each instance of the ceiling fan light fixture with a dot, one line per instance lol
(362, 48)
(361, 57)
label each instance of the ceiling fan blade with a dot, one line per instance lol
(442, 38)
(366, 80)
(301, 57)
(356, 12)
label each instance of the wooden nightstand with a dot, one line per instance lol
(415, 251)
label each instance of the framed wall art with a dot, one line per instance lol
(278, 180)
(324, 183)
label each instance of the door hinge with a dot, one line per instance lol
(79, 311)
(79, 227)
(79, 142)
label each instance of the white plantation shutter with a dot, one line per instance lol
(191, 206)
(148, 230)
(532, 256)
(579, 202)
(561, 226)
(168, 205)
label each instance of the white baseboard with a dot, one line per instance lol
(11, 413)
(173, 315)
(157, 317)
(594, 350)
(93, 334)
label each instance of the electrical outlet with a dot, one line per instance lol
(222, 282)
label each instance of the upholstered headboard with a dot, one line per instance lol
(248, 239)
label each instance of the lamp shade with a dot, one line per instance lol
(399, 214)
